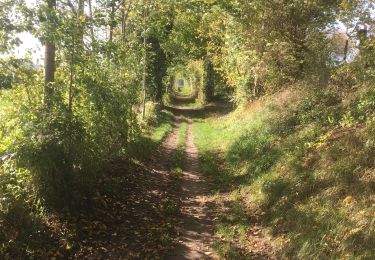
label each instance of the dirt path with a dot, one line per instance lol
(132, 221)
(163, 157)
(196, 229)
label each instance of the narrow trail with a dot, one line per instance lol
(167, 148)
(197, 209)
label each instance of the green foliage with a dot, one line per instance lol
(163, 127)
(323, 107)
(56, 139)
(5, 81)
(258, 47)
(22, 214)
(145, 145)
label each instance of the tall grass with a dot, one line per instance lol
(292, 159)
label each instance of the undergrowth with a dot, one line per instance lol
(304, 162)
(159, 128)
(48, 163)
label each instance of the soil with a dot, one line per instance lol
(196, 225)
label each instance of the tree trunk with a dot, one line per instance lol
(209, 80)
(145, 63)
(92, 23)
(111, 22)
(70, 103)
(81, 12)
(144, 76)
(346, 50)
(125, 15)
(50, 52)
(49, 64)
(255, 85)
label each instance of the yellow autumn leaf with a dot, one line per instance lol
(82, 19)
(68, 246)
(348, 200)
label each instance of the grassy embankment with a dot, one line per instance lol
(300, 165)
(160, 127)
(163, 127)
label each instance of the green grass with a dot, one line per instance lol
(194, 105)
(163, 127)
(179, 156)
(186, 91)
(182, 136)
(145, 145)
(291, 159)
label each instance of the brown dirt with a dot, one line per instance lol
(196, 226)
(130, 221)
(126, 217)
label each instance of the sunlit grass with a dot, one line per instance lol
(182, 135)
(163, 127)
(185, 91)
(179, 156)
(145, 145)
(310, 191)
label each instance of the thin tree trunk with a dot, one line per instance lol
(111, 23)
(81, 12)
(255, 85)
(346, 50)
(71, 88)
(49, 65)
(92, 23)
(145, 63)
(49, 59)
(70, 104)
(144, 76)
(125, 15)
(209, 81)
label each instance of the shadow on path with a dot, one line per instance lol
(199, 209)
(215, 107)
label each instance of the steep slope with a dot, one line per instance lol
(296, 168)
